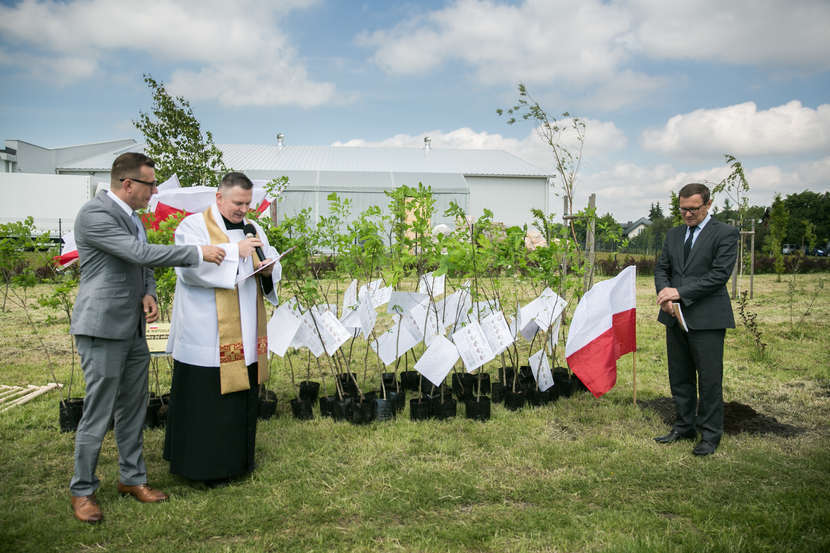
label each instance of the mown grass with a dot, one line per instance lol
(578, 475)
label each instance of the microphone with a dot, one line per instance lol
(250, 232)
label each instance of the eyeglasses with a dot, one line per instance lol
(153, 184)
(691, 210)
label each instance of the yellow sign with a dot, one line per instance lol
(157, 334)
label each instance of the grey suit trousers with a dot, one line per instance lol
(115, 372)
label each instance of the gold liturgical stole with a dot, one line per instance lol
(233, 372)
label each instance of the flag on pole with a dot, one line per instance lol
(69, 251)
(602, 330)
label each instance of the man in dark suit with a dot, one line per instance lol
(693, 270)
(115, 297)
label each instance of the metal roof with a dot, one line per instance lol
(266, 157)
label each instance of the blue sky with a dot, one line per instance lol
(666, 88)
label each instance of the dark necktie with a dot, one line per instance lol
(687, 247)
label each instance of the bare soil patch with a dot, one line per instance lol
(737, 418)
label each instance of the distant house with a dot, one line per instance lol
(633, 229)
(475, 179)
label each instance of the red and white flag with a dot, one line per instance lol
(69, 251)
(602, 330)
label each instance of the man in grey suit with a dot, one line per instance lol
(115, 297)
(693, 270)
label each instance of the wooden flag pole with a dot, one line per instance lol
(634, 373)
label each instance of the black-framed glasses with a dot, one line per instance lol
(691, 210)
(154, 183)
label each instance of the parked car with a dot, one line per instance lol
(820, 252)
(789, 249)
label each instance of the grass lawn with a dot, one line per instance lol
(582, 474)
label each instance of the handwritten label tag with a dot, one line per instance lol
(437, 360)
(282, 328)
(497, 332)
(473, 346)
(541, 370)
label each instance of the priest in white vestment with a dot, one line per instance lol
(218, 340)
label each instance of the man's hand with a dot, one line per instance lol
(151, 308)
(668, 307)
(668, 294)
(213, 254)
(247, 246)
(267, 270)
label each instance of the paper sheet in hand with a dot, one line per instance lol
(282, 328)
(437, 360)
(678, 314)
(497, 332)
(157, 334)
(541, 370)
(473, 346)
(244, 266)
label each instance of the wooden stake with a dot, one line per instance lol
(634, 373)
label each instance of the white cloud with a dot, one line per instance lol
(227, 40)
(754, 32)
(601, 137)
(742, 130)
(627, 190)
(588, 46)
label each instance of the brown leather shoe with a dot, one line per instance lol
(143, 493)
(86, 509)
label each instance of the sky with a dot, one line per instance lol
(666, 89)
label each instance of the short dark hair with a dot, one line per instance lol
(693, 188)
(235, 178)
(126, 165)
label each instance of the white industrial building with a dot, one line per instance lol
(475, 179)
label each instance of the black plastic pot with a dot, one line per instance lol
(538, 398)
(151, 419)
(410, 380)
(309, 390)
(164, 409)
(69, 413)
(443, 410)
(340, 408)
(267, 405)
(385, 409)
(462, 385)
(577, 385)
(302, 409)
(398, 398)
(361, 412)
(514, 400)
(419, 409)
(389, 381)
(483, 380)
(497, 392)
(562, 381)
(326, 403)
(526, 380)
(478, 409)
(348, 384)
(506, 375)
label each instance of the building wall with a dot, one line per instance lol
(509, 198)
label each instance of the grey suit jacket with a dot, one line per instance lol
(701, 279)
(115, 273)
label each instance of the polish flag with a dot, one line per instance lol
(69, 251)
(602, 330)
(263, 206)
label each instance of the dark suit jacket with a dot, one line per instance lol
(115, 273)
(701, 280)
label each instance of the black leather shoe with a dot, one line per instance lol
(704, 448)
(674, 435)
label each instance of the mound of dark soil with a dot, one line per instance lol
(737, 418)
